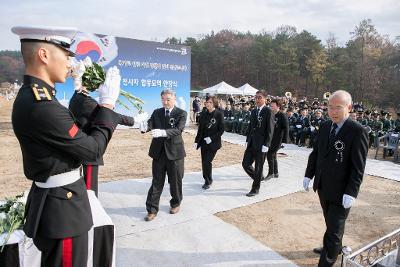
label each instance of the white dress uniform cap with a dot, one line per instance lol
(60, 36)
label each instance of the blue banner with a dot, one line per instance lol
(146, 69)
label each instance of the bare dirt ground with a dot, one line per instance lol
(292, 225)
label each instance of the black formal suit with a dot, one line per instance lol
(211, 124)
(281, 135)
(259, 134)
(338, 167)
(168, 156)
(84, 109)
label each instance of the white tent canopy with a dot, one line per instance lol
(247, 89)
(222, 88)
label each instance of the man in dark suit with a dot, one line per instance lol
(259, 136)
(167, 151)
(281, 134)
(337, 162)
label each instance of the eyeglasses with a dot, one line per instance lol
(209, 102)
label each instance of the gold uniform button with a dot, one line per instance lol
(69, 194)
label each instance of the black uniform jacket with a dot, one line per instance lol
(261, 129)
(281, 130)
(52, 143)
(210, 125)
(85, 108)
(338, 168)
(173, 143)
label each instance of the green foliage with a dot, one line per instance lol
(93, 77)
(11, 217)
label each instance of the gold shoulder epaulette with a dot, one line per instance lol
(41, 93)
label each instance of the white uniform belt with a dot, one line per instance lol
(61, 179)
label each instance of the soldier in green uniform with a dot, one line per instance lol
(246, 119)
(237, 118)
(397, 123)
(228, 117)
(391, 120)
(387, 125)
(376, 127)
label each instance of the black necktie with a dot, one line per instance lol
(333, 133)
(167, 113)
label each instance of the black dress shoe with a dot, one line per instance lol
(269, 176)
(206, 186)
(276, 175)
(252, 193)
(317, 250)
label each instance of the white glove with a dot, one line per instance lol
(143, 126)
(158, 133)
(77, 71)
(348, 201)
(141, 117)
(208, 140)
(109, 91)
(312, 128)
(195, 145)
(87, 61)
(264, 149)
(306, 183)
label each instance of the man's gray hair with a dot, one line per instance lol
(168, 92)
(346, 96)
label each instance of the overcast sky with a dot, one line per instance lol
(158, 19)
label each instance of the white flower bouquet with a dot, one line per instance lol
(93, 75)
(12, 216)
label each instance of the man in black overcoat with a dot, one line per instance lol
(337, 163)
(258, 139)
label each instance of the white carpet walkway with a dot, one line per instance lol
(194, 236)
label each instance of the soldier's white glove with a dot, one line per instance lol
(306, 183)
(348, 201)
(141, 117)
(158, 133)
(109, 91)
(143, 126)
(208, 140)
(264, 149)
(77, 71)
(195, 145)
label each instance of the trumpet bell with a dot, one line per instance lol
(326, 95)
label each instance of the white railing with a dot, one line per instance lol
(374, 252)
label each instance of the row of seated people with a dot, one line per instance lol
(305, 118)
(304, 123)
